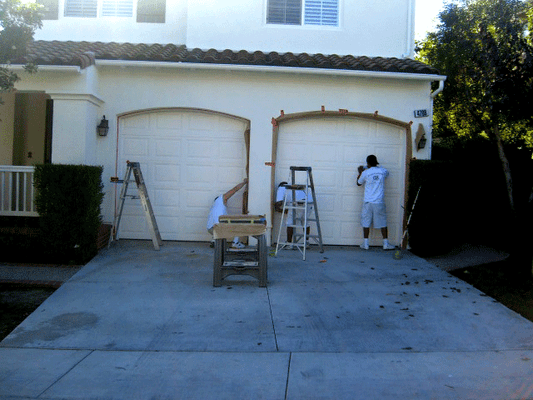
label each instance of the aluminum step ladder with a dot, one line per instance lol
(135, 167)
(292, 205)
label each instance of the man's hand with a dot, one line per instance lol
(360, 169)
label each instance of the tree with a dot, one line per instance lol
(18, 23)
(484, 48)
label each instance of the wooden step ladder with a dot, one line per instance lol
(135, 167)
(291, 204)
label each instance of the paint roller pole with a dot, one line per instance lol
(398, 252)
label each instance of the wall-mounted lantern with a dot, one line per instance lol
(103, 127)
(422, 142)
(420, 139)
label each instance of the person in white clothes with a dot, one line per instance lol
(299, 215)
(219, 208)
(374, 211)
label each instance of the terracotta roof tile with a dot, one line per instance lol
(84, 53)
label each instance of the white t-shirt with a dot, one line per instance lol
(374, 180)
(217, 209)
(300, 194)
(296, 214)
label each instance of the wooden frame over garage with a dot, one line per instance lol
(188, 157)
(334, 143)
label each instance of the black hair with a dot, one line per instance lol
(372, 160)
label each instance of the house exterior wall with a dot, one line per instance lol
(115, 29)
(30, 117)
(255, 96)
(366, 27)
(7, 119)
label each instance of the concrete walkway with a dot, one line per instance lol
(136, 323)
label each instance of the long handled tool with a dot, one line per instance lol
(398, 252)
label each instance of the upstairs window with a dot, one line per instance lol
(285, 12)
(81, 8)
(117, 8)
(322, 12)
(314, 12)
(89, 8)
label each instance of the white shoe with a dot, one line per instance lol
(388, 246)
(364, 246)
(238, 245)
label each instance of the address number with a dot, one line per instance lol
(421, 113)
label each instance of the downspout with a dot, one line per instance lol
(432, 97)
(410, 37)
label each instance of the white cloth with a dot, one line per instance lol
(294, 216)
(374, 180)
(217, 209)
(280, 194)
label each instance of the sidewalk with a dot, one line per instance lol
(41, 274)
(136, 323)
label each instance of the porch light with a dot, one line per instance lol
(103, 127)
(421, 142)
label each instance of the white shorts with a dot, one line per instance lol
(299, 215)
(374, 214)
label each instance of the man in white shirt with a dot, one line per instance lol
(219, 208)
(374, 211)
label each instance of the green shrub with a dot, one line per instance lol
(68, 199)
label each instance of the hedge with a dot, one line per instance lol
(68, 199)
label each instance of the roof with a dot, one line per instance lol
(83, 54)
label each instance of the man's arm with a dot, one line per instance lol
(360, 169)
(234, 190)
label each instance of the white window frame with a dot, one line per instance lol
(100, 12)
(131, 6)
(306, 22)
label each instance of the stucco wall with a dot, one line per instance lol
(110, 29)
(7, 115)
(30, 118)
(366, 27)
(256, 96)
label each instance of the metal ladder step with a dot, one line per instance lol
(290, 205)
(135, 168)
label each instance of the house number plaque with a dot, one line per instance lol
(421, 113)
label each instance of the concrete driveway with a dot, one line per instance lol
(136, 323)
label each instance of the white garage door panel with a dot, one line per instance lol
(334, 149)
(187, 159)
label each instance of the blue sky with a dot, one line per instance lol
(426, 13)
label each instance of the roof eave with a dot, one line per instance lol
(271, 69)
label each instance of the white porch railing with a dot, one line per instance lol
(17, 195)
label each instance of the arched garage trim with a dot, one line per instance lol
(245, 134)
(344, 114)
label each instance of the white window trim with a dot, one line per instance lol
(303, 25)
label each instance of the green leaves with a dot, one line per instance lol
(18, 23)
(484, 48)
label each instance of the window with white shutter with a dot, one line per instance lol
(81, 8)
(315, 12)
(285, 12)
(321, 12)
(117, 8)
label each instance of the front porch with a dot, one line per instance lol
(17, 194)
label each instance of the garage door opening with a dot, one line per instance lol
(188, 157)
(334, 144)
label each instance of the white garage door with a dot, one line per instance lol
(187, 159)
(334, 148)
